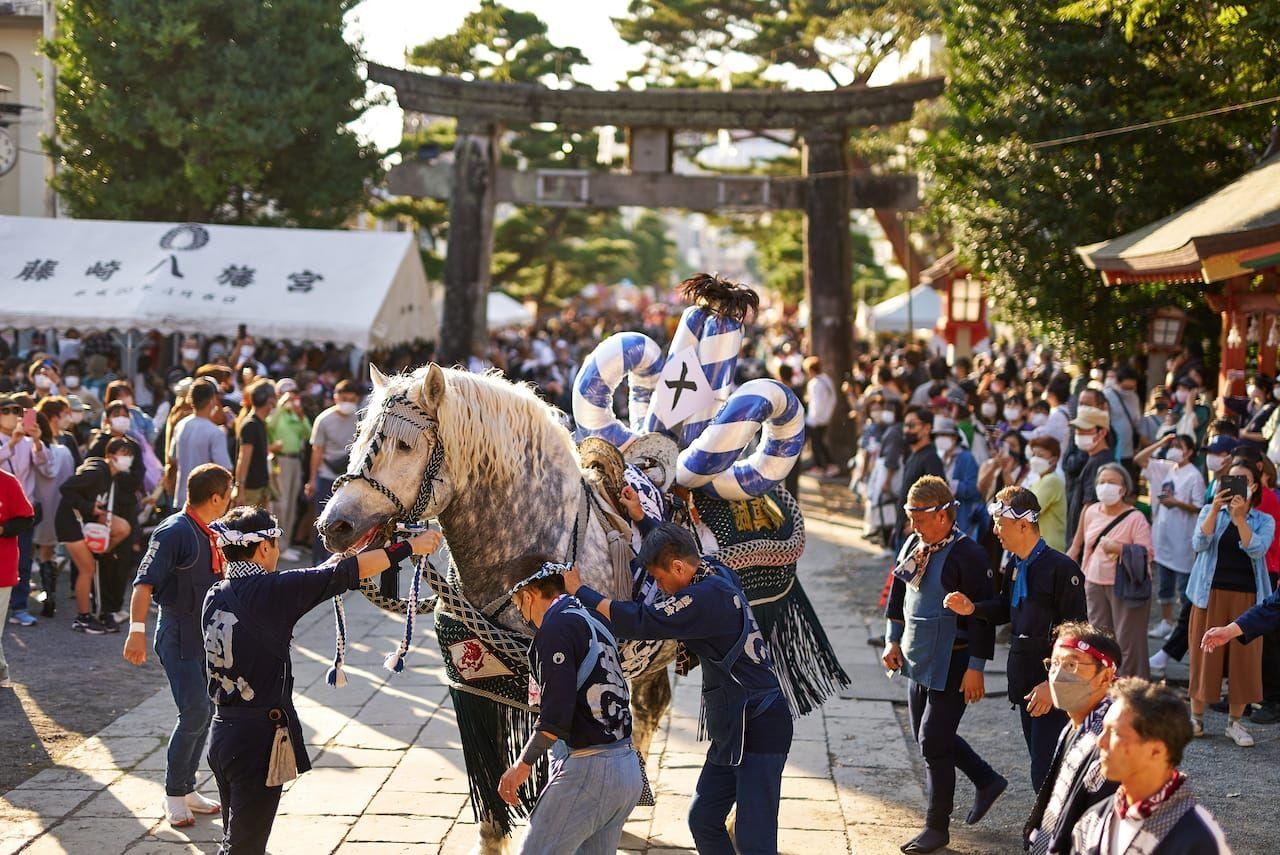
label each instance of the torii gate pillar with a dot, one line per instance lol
(827, 264)
(464, 327)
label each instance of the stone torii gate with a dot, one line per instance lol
(827, 188)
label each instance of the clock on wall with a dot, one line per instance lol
(8, 152)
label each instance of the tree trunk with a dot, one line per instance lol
(466, 266)
(828, 273)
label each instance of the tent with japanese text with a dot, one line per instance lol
(362, 288)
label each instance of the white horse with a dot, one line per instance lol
(496, 466)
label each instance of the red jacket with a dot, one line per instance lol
(16, 516)
(1270, 505)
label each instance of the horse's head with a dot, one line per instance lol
(397, 469)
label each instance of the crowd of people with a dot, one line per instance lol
(1011, 488)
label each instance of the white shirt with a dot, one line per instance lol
(1123, 831)
(1172, 528)
(822, 401)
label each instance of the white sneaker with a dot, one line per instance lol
(177, 812)
(121, 616)
(1162, 630)
(1197, 727)
(1157, 663)
(199, 804)
(1237, 734)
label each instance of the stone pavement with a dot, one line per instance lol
(389, 771)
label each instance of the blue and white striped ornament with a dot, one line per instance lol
(629, 354)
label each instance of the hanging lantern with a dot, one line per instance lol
(1164, 334)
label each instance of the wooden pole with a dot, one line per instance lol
(470, 250)
(828, 275)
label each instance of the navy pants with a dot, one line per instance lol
(239, 753)
(324, 491)
(1041, 734)
(755, 785)
(188, 684)
(21, 592)
(935, 720)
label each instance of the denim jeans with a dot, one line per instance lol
(22, 591)
(586, 802)
(188, 683)
(1173, 585)
(324, 491)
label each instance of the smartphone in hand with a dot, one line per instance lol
(29, 425)
(1233, 485)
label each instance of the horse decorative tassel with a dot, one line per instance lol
(714, 436)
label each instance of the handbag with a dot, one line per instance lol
(97, 536)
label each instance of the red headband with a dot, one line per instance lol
(1086, 647)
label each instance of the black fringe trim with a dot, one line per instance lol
(493, 736)
(802, 654)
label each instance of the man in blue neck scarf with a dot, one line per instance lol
(1041, 589)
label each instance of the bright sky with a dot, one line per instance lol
(389, 28)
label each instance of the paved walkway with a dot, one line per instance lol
(389, 772)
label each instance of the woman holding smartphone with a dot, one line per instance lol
(1228, 578)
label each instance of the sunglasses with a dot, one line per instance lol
(10, 411)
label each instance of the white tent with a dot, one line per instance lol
(890, 316)
(506, 311)
(362, 288)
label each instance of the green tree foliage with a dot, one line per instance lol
(1023, 73)
(232, 111)
(544, 253)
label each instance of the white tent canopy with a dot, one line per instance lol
(506, 311)
(890, 316)
(367, 289)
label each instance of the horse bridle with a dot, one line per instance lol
(425, 422)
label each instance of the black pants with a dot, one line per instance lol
(1176, 645)
(1271, 667)
(935, 720)
(239, 753)
(1041, 735)
(818, 445)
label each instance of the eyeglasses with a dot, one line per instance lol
(10, 411)
(1071, 666)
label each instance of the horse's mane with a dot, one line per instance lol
(482, 417)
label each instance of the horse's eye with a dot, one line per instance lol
(403, 446)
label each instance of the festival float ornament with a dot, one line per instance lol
(1234, 339)
(1273, 337)
(1251, 335)
(686, 395)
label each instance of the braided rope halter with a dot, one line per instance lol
(419, 420)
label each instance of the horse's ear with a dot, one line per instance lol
(379, 379)
(432, 389)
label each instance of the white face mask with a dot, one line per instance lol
(1181, 396)
(124, 462)
(886, 417)
(1085, 443)
(1040, 465)
(1012, 413)
(1250, 390)
(1275, 391)
(73, 381)
(120, 424)
(191, 354)
(77, 418)
(346, 407)
(1173, 455)
(945, 444)
(246, 352)
(989, 410)
(43, 383)
(1038, 419)
(1213, 462)
(1108, 494)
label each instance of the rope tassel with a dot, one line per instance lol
(395, 659)
(337, 677)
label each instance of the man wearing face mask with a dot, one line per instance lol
(1091, 426)
(331, 437)
(1082, 669)
(920, 458)
(584, 718)
(961, 472)
(1043, 589)
(189, 362)
(1190, 416)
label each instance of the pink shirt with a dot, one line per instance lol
(1099, 567)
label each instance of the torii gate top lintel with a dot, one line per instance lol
(677, 109)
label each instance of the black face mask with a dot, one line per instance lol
(911, 437)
